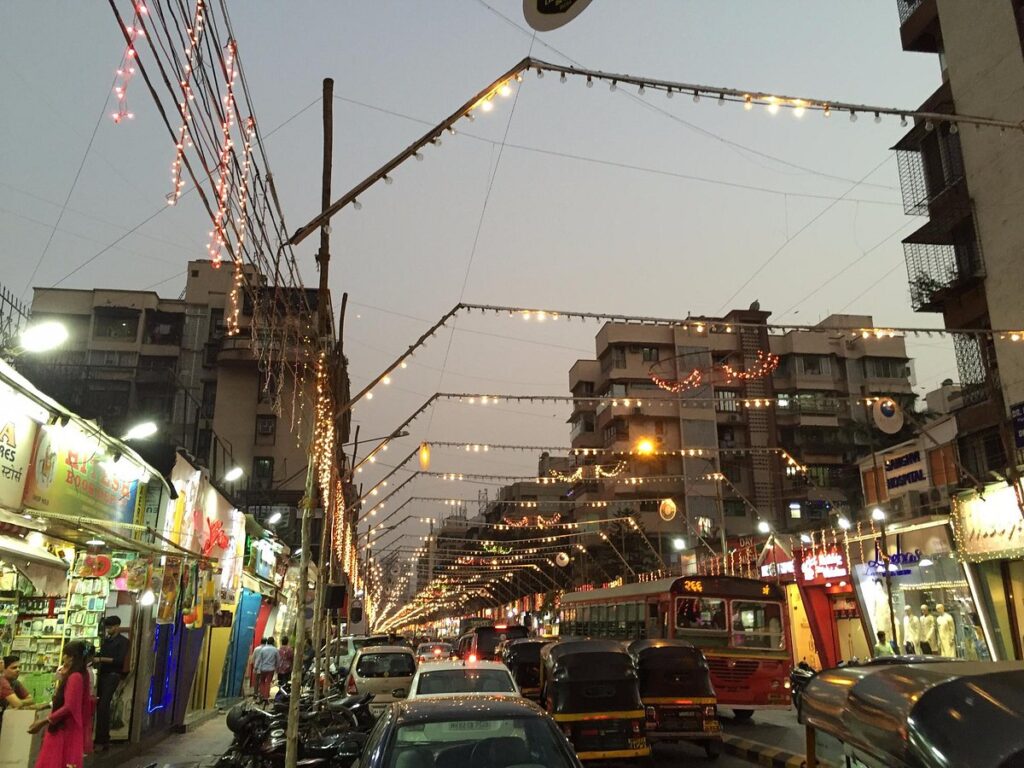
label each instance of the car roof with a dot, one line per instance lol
(385, 649)
(468, 707)
(440, 665)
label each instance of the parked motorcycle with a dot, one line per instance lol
(799, 677)
(331, 733)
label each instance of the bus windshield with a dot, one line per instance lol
(705, 614)
(757, 624)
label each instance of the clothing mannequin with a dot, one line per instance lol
(946, 630)
(928, 645)
(911, 631)
(881, 611)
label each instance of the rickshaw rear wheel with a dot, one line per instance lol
(742, 714)
(713, 749)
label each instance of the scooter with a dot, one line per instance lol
(799, 677)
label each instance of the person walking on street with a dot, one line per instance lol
(881, 647)
(68, 735)
(264, 665)
(110, 667)
(285, 659)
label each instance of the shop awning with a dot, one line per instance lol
(18, 552)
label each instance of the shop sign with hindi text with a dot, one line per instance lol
(71, 473)
(17, 435)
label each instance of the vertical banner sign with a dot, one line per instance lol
(546, 15)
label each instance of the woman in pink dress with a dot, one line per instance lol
(69, 726)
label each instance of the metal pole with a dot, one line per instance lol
(326, 326)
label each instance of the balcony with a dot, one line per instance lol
(937, 272)
(919, 25)
(973, 369)
(931, 164)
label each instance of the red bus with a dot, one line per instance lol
(740, 625)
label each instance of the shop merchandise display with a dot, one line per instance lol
(928, 644)
(946, 631)
(911, 631)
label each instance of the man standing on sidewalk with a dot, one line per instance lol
(285, 659)
(111, 661)
(264, 666)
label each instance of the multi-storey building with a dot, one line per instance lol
(964, 262)
(134, 356)
(704, 428)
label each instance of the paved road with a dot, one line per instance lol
(777, 728)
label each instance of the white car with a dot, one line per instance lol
(457, 678)
(386, 671)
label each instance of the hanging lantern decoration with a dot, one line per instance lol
(424, 456)
(562, 559)
(667, 510)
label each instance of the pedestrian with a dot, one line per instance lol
(264, 665)
(13, 694)
(285, 659)
(68, 735)
(307, 654)
(111, 661)
(881, 647)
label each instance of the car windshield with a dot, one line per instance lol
(484, 743)
(435, 649)
(464, 681)
(385, 665)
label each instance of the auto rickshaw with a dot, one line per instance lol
(522, 657)
(967, 714)
(590, 689)
(675, 687)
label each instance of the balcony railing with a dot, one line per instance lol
(972, 368)
(930, 163)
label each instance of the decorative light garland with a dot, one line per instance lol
(538, 522)
(126, 70)
(218, 237)
(195, 34)
(766, 363)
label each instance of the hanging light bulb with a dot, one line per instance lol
(388, 179)
(614, 86)
(853, 116)
(903, 120)
(696, 97)
(357, 205)
(669, 93)
(418, 155)
(748, 102)
(878, 117)
(721, 99)
(147, 598)
(487, 106)
(562, 78)
(642, 90)
(953, 128)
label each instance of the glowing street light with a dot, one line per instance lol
(644, 446)
(42, 337)
(274, 519)
(764, 527)
(233, 474)
(844, 523)
(141, 431)
(679, 544)
(877, 514)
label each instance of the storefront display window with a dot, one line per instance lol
(932, 601)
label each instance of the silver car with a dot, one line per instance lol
(383, 670)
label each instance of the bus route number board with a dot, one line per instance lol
(693, 585)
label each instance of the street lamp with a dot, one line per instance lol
(42, 337)
(679, 544)
(844, 523)
(764, 527)
(141, 431)
(274, 519)
(877, 514)
(644, 446)
(233, 474)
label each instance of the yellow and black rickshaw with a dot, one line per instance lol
(590, 689)
(675, 688)
(522, 657)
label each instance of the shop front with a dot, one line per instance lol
(989, 534)
(827, 594)
(915, 583)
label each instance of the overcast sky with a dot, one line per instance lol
(667, 207)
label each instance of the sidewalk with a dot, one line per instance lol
(197, 748)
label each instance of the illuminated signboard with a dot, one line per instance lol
(823, 566)
(783, 568)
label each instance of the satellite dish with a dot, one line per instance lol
(562, 559)
(667, 510)
(546, 15)
(888, 415)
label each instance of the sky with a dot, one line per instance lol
(562, 197)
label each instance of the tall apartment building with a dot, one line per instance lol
(817, 421)
(134, 356)
(965, 262)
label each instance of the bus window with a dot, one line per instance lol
(619, 630)
(757, 624)
(629, 619)
(583, 624)
(700, 613)
(597, 619)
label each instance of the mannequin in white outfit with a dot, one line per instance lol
(946, 630)
(928, 644)
(911, 631)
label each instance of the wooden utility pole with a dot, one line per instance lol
(325, 325)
